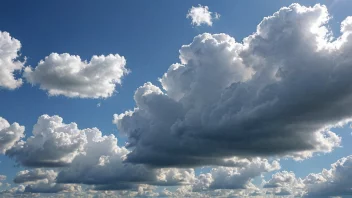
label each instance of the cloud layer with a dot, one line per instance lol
(9, 63)
(68, 75)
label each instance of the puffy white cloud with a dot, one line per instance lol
(234, 178)
(53, 143)
(201, 15)
(9, 134)
(174, 177)
(84, 156)
(68, 75)
(102, 163)
(335, 181)
(283, 179)
(9, 63)
(286, 183)
(276, 93)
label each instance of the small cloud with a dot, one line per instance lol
(201, 15)
(99, 104)
(217, 15)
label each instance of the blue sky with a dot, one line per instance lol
(149, 34)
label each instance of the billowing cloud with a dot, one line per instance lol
(9, 134)
(84, 156)
(285, 183)
(68, 75)
(102, 163)
(53, 144)
(9, 63)
(235, 106)
(333, 182)
(234, 178)
(275, 94)
(201, 15)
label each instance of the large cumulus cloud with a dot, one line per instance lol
(68, 75)
(276, 93)
(9, 134)
(9, 63)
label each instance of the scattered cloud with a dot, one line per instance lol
(201, 15)
(68, 75)
(9, 63)
(236, 107)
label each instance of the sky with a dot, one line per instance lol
(175, 98)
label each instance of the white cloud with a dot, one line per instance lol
(68, 75)
(53, 143)
(234, 178)
(277, 93)
(201, 15)
(83, 156)
(9, 53)
(285, 183)
(102, 163)
(9, 134)
(333, 182)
